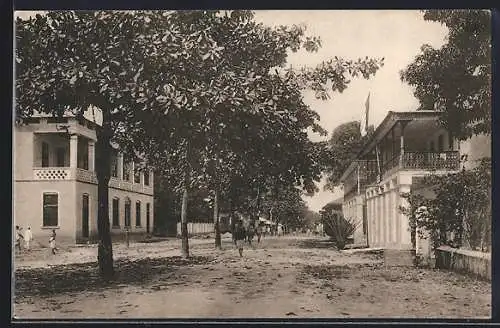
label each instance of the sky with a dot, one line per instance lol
(396, 35)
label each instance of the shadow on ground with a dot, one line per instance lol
(85, 277)
(316, 243)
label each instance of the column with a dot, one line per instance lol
(91, 155)
(73, 151)
(402, 142)
(120, 166)
(395, 211)
(151, 178)
(132, 172)
(405, 223)
(141, 177)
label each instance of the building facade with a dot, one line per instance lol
(405, 147)
(55, 185)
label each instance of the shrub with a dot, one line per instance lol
(338, 228)
(460, 213)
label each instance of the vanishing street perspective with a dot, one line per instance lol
(252, 164)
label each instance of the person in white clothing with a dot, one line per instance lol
(28, 237)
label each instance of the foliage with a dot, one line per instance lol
(459, 214)
(344, 144)
(456, 79)
(204, 96)
(336, 226)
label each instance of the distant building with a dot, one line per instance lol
(405, 147)
(55, 185)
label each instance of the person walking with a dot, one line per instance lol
(28, 237)
(239, 236)
(19, 236)
(52, 241)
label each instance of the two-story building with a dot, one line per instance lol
(405, 147)
(55, 185)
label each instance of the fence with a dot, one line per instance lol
(196, 228)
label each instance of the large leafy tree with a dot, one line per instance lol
(456, 78)
(118, 62)
(190, 91)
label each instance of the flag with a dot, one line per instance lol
(364, 119)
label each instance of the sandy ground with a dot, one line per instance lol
(281, 277)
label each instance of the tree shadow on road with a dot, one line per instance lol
(80, 277)
(317, 243)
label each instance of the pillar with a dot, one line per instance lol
(141, 177)
(405, 232)
(73, 151)
(402, 143)
(395, 211)
(91, 155)
(120, 166)
(132, 171)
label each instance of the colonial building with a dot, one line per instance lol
(405, 147)
(55, 185)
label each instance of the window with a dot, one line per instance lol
(116, 212)
(138, 214)
(83, 154)
(126, 172)
(127, 212)
(432, 146)
(45, 154)
(137, 176)
(146, 177)
(114, 166)
(440, 143)
(50, 210)
(450, 141)
(60, 156)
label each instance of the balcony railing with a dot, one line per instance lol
(67, 173)
(448, 160)
(427, 161)
(366, 167)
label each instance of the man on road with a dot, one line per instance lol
(239, 236)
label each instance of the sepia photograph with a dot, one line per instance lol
(251, 164)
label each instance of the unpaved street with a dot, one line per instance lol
(281, 277)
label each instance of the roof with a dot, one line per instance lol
(390, 120)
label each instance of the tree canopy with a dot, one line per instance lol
(205, 96)
(456, 79)
(343, 146)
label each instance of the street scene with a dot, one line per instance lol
(283, 277)
(252, 164)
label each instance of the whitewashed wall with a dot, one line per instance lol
(196, 228)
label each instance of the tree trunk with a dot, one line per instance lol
(218, 242)
(184, 226)
(103, 170)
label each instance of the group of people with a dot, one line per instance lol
(26, 239)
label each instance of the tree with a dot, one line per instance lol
(68, 61)
(456, 79)
(172, 87)
(344, 144)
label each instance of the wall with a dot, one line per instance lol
(23, 154)
(464, 261)
(196, 228)
(28, 208)
(352, 208)
(91, 190)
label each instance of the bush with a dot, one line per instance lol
(338, 228)
(460, 213)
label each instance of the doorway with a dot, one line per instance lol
(85, 216)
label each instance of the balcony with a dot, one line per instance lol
(423, 161)
(82, 175)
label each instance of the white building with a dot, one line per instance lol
(55, 185)
(405, 147)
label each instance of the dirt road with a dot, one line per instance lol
(281, 277)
